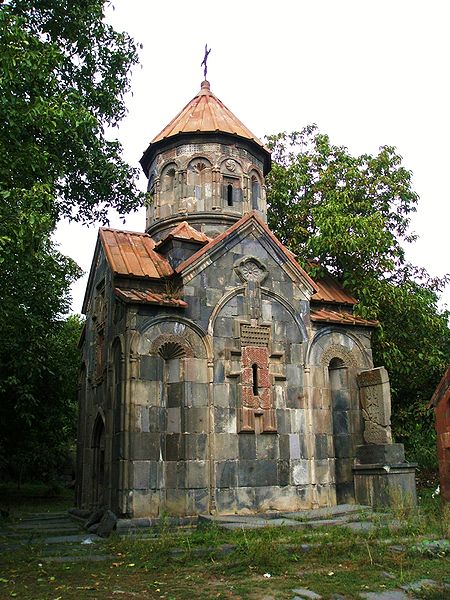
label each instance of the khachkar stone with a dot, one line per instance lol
(375, 396)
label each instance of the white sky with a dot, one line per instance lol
(368, 72)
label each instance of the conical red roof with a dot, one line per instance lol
(207, 114)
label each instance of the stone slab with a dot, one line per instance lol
(326, 511)
(361, 526)
(78, 558)
(58, 539)
(416, 586)
(305, 593)
(388, 595)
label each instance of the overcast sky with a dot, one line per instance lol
(368, 72)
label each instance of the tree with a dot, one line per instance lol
(352, 215)
(63, 76)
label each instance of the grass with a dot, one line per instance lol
(208, 562)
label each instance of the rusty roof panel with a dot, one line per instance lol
(206, 113)
(330, 290)
(130, 253)
(186, 232)
(148, 297)
(341, 318)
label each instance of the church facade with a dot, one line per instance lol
(217, 376)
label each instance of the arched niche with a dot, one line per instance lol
(231, 181)
(341, 403)
(98, 464)
(200, 180)
(255, 185)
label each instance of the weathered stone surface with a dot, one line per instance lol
(306, 593)
(107, 524)
(221, 393)
(376, 405)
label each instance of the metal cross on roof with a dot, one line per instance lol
(205, 58)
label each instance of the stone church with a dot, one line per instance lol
(217, 376)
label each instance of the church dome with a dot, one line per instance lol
(204, 114)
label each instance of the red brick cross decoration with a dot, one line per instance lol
(257, 413)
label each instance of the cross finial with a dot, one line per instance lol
(205, 58)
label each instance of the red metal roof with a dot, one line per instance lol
(132, 254)
(342, 318)
(186, 232)
(206, 113)
(148, 297)
(331, 291)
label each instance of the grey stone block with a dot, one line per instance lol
(341, 422)
(306, 593)
(151, 368)
(247, 446)
(219, 371)
(284, 445)
(226, 446)
(293, 397)
(284, 471)
(343, 446)
(226, 474)
(384, 454)
(173, 420)
(196, 394)
(267, 447)
(175, 394)
(173, 448)
(321, 446)
(341, 400)
(196, 474)
(257, 473)
(175, 474)
(224, 420)
(196, 446)
(195, 420)
(145, 446)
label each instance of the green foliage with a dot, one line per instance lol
(63, 76)
(64, 73)
(352, 215)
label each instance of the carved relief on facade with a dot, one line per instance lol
(338, 351)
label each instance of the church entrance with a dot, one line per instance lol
(98, 443)
(342, 437)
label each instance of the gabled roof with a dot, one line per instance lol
(205, 113)
(132, 254)
(220, 239)
(184, 231)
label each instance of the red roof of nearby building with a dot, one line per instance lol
(342, 318)
(205, 113)
(148, 297)
(132, 254)
(441, 390)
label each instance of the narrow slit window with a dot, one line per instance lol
(255, 379)
(230, 194)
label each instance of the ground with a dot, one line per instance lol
(401, 547)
